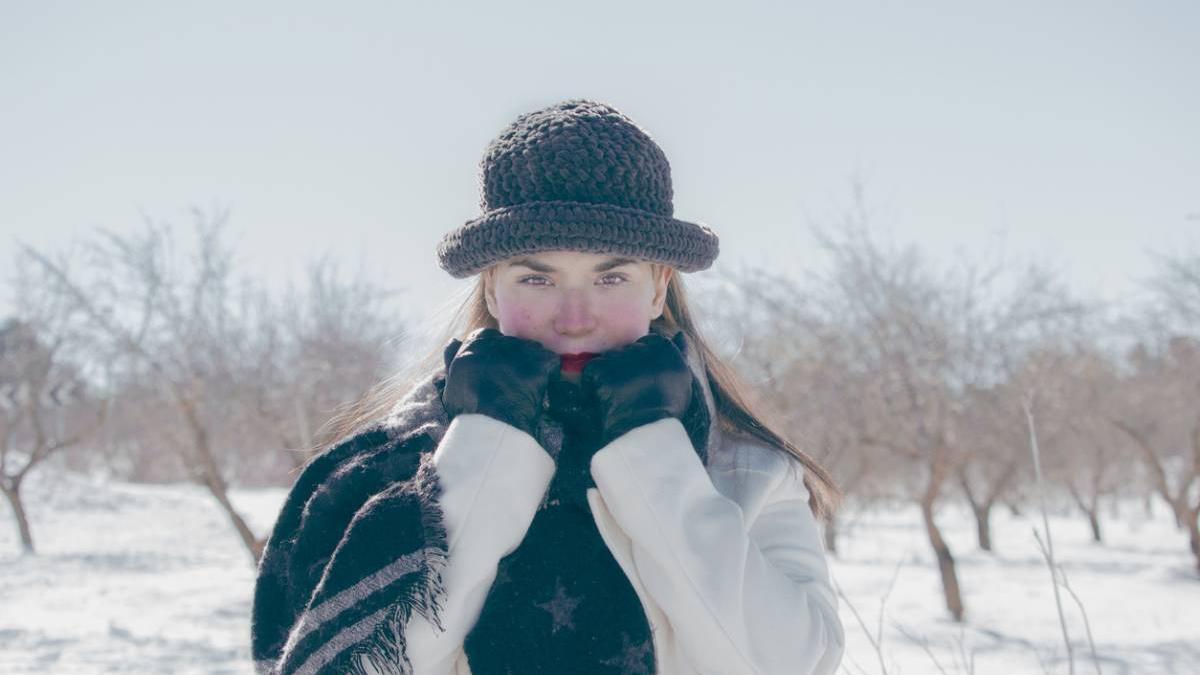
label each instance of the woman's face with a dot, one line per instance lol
(573, 302)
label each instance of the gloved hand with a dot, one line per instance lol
(639, 383)
(497, 375)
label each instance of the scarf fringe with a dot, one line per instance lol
(385, 651)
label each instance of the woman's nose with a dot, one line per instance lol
(574, 313)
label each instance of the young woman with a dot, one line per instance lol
(577, 484)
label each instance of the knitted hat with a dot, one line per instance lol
(578, 176)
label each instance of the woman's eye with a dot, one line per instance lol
(613, 279)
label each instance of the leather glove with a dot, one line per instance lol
(639, 383)
(497, 375)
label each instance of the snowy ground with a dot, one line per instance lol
(151, 579)
(1140, 591)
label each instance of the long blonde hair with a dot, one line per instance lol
(738, 412)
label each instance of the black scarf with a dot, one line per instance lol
(336, 584)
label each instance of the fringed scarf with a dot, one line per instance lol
(336, 585)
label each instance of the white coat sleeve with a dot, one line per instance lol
(493, 477)
(742, 597)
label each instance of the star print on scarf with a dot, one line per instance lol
(560, 607)
(632, 658)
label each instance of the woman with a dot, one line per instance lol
(577, 485)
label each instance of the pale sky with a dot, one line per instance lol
(356, 128)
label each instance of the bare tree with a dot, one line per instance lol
(1157, 410)
(891, 314)
(924, 339)
(1083, 455)
(1063, 375)
(992, 457)
(1176, 293)
(328, 342)
(44, 406)
(180, 321)
(1005, 313)
(1158, 406)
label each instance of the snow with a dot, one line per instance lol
(1140, 590)
(153, 579)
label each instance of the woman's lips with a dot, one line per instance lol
(574, 363)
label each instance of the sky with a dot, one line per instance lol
(1064, 132)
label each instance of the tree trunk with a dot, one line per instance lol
(945, 561)
(13, 494)
(983, 525)
(1090, 508)
(1193, 523)
(253, 544)
(205, 465)
(1094, 520)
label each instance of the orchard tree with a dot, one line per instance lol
(1158, 410)
(45, 406)
(325, 345)
(178, 321)
(923, 339)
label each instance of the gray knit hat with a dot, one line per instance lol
(578, 176)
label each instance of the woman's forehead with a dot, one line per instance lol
(546, 261)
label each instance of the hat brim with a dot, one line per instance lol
(533, 227)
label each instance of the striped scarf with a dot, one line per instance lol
(335, 584)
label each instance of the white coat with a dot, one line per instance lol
(726, 558)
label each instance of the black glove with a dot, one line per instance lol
(497, 375)
(639, 383)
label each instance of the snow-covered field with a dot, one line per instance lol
(152, 579)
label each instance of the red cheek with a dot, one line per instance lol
(519, 320)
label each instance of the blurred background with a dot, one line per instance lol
(953, 239)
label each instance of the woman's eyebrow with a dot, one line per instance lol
(542, 267)
(611, 263)
(531, 264)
